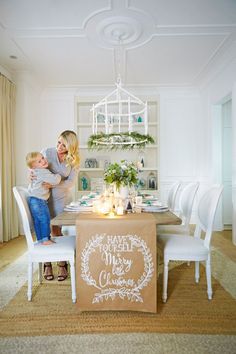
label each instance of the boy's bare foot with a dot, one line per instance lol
(49, 242)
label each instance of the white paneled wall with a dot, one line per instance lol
(57, 115)
(27, 122)
(179, 137)
(219, 85)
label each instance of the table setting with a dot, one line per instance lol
(84, 204)
(120, 196)
(107, 203)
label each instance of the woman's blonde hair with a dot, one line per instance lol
(72, 145)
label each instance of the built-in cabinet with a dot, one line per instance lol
(93, 162)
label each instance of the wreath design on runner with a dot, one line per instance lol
(132, 294)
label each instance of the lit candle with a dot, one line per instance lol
(120, 210)
(138, 200)
(96, 204)
(105, 208)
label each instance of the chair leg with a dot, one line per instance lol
(208, 277)
(40, 274)
(197, 272)
(72, 277)
(30, 280)
(165, 281)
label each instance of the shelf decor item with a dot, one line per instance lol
(141, 158)
(118, 109)
(152, 182)
(84, 182)
(91, 163)
(121, 175)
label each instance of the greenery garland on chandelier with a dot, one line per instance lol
(124, 141)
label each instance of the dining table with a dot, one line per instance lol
(116, 259)
(67, 218)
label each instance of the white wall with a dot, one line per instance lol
(181, 140)
(27, 122)
(57, 114)
(217, 86)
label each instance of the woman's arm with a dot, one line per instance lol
(50, 178)
(70, 181)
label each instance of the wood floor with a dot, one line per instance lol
(9, 251)
(223, 241)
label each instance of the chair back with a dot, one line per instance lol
(186, 202)
(206, 212)
(172, 195)
(21, 194)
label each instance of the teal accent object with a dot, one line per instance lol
(84, 183)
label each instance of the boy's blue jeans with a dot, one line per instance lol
(41, 218)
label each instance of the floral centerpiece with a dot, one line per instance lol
(123, 174)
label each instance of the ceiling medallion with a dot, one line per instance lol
(126, 29)
(135, 27)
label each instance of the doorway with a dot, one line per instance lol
(227, 164)
(222, 160)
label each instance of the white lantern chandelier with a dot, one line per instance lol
(116, 118)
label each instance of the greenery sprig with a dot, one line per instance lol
(123, 174)
(124, 141)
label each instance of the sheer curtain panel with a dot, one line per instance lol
(8, 211)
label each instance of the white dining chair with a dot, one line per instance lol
(186, 200)
(192, 248)
(69, 230)
(171, 199)
(62, 250)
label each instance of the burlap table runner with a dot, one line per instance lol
(116, 262)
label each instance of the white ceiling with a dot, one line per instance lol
(90, 42)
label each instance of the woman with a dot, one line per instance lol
(64, 160)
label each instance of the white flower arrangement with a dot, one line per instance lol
(123, 174)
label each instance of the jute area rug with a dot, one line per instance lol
(187, 310)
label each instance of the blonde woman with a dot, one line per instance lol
(62, 160)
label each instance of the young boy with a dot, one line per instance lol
(39, 195)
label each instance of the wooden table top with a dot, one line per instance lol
(67, 218)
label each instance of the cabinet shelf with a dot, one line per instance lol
(97, 169)
(84, 147)
(149, 154)
(87, 125)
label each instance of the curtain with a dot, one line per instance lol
(9, 225)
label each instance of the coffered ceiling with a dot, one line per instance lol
(151, 42)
